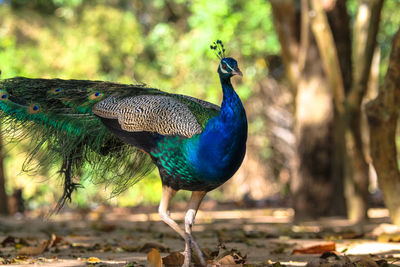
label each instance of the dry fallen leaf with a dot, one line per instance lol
(8, 240)
(391, 237)
(54, 240)
(154, 258)
(104, 227)
(173, 259)
(93, 260)
(316, 249)
(81, 245)
(150, 245)
(33, 251)
(365, 261)
(130, 248)
(20, 260)
(227, 260)
(209, 253)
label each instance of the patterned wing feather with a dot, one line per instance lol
(162, 114)
(202, 110)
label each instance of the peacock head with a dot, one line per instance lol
(228, 66)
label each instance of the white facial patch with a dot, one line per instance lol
(222, 69)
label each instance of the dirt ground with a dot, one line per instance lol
(108, 236)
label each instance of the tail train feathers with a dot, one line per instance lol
(56, 115)
(69, 185)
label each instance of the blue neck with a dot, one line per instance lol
(231, 104)
(220, 148)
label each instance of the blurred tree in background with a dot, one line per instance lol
(165, 43)
(328, 49)
(3, 194)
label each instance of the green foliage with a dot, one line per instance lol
(390, 21)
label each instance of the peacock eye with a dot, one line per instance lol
(224, 66)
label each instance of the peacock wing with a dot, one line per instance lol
(165, 114)
(202, 110)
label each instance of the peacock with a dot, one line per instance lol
(119, 132)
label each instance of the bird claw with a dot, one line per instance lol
(192, 244)
(188, 256)
(186, 262)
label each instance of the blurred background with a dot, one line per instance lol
(165, 44)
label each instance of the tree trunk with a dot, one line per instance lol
(284, 15)
(355, 167)
(317, 169)
(383, 115)
(319, 190)
(329, 92)
(357, 178)
(3, 195)
(348, 90)
(317, 186)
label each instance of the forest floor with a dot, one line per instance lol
(235, 237)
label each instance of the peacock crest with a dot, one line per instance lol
(218, 48)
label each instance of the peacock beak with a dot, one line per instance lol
(237, 71)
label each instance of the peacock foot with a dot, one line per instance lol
(190, 245)
(188, 256)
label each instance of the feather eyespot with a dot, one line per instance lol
(3, 96)
(95, 96)
(34, 108)
(56, 91)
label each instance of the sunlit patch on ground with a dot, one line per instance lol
(373, 248)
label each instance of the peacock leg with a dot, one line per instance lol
(167, 194)
(194, 203)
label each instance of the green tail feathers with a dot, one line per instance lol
(56, 115)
